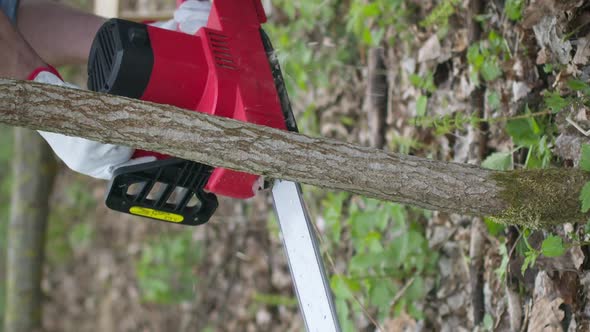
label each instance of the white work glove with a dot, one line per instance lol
(84, 156)
(188, 18)
(100, 160)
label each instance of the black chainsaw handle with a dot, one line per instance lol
(170, 190)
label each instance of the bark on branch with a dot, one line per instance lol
(534, 198)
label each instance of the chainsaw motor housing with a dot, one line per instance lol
(225, 69)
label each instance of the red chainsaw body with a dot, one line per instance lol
(222, 70)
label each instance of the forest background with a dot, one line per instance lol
(497, 83)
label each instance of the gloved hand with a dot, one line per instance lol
(188, 18)
(101, 160)
(81, 155)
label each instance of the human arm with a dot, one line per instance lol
(64, 35)
(18, 57)
(20, 61)
(60, 34)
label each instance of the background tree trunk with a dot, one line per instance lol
(535, 198)
(478, 228)
(376, 97)
(34, 169)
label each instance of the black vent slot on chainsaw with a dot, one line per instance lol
(121, 59)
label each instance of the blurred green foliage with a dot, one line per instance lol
(485, 58)
(307, 42)
(390, 256)
(514, 9)
(369, 20)
(579, 100)
(446, 124)
(275, 300)
(585, 165)
(577, 97)
(316, 43)
(71, 228)
(319, 42)
(316, 39)
(439, 16)
(426, 84)
(166, 271)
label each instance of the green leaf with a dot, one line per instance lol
(529, 260)
(377, 36)
(539, 155)
(513, 9)
(524, 131)
(494, 228)
(333, 214)
(353, 285)
(340, 288)
(491, 71)
(578, 85)
(548, 68)
(80, 236)
(367, 36)
(474, 57)
(553, 246)
(380, 295)
(275, 299)
(164, 270)
(371, 10)
(421, 105)
(474, 77)
(493, 100)
(289, 9)
(585, 159)
(343, 313)
(501, 270)
(500, 161)
(364, 262)
(556, 102)
(414, 311)
(373, 242)
(585, 197)
(416, 290)
(532, 162)
(416, 80)
(488, 322)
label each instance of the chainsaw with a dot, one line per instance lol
(227, 68)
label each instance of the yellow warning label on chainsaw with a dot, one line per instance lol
(151, 213)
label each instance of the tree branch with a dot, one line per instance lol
(534, 198)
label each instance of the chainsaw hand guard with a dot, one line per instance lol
(169, 190)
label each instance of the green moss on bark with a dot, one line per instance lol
(541, 198)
